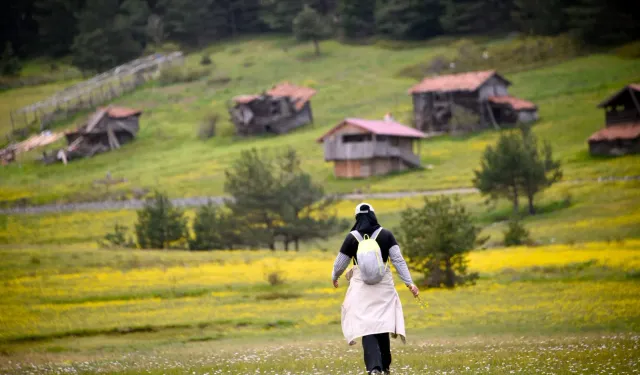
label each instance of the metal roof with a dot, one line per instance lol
(635, 87)
(120, 112)
(617, 132)
(515, 103)
(469, 81)
(301, 95)
(298, 94)
(378, 127)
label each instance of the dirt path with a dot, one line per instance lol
(135, 204)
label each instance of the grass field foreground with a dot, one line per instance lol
(81, 309)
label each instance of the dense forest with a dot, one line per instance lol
(102, 33)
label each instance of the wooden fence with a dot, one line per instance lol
(88, 94)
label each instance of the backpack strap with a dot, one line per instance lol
(357, 235)
(375, 234)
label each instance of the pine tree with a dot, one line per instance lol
(196, 22)
(515, 166)
(215, 229)
(50, 14)
(356, 18)
(540, 17)
(107, 34)
(134, 15)
(9, 63)
(604, 22)
(304, 207)
(310, 25)
(539, 170)
(160, 224)
(475, 16)
(244, 16)
(279, 14)
(437, 238)
(252, 183)
(499, 173)
(18, 27)
(408, 19)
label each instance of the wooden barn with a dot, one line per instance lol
(107, 129)
(281, 109)
(468, 101)
(363, 148)
(621, 134)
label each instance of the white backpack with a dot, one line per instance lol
(372, 267)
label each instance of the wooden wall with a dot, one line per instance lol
(367, 167)
(615, 148)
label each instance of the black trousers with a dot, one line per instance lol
(377, 352)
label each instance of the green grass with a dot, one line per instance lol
(567, 213)
(358, 81)
(127, 312)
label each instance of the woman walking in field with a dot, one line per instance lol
(372, 308)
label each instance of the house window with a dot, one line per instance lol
(395, 141)
(382, 138)
(355, 138)
(275, 108)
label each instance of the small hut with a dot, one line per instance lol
(279, 110)
(364, 148)
(621, 134)
(473, 100)
(107, 129)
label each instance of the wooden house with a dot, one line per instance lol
(281, 109)
(363, 148)
(621, 134)
(468, 101)
(107, 129)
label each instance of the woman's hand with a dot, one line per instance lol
(335, 283)
(414, 290)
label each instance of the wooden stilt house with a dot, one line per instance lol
(467, 102)
(621, 134)
(363, 148)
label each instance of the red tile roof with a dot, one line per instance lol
(121, 112)
(632, 86)
(470, 81)
(301, 95)
(379, 127)
(624, 131)
(244, 99)
(516, 103)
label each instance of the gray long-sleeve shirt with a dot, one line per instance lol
(342, 262)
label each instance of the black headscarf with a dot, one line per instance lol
(366, 223)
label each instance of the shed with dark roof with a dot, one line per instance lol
(279, 110)
(105, 130)
(468, 101)
(621, 134)
(363, 148)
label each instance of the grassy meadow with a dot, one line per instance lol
(74, 307)
(352, 81)
(570, 304)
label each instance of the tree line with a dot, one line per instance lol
(103, 33)
(272, 201)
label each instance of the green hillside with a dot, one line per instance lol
(352, 81)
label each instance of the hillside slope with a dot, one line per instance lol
(352, 81)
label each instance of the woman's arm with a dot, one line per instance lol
(347, 251)
(341, 263)
(401, 266)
